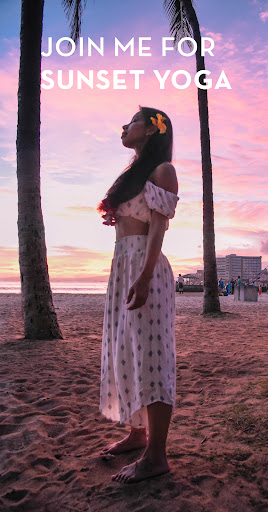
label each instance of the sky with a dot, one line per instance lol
(81, 149)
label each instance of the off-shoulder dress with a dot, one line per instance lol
(138, 346)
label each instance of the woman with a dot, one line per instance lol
(138, 349)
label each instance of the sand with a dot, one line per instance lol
(51, 431)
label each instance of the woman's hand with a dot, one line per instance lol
(139, 292)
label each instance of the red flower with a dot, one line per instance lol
(109, 213)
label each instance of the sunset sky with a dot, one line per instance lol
(81, 150)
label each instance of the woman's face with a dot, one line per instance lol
(135, 133)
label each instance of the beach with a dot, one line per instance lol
(51, 431)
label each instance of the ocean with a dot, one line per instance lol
(59, 287)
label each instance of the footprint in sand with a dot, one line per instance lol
(67, 477)
(47, 404)
(16, 495)
(45, 462)
(54, 431)
(83, 381)
(9, 477)
(80, 390)
(6, 429)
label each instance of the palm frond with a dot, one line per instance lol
(179, 23)
(74, 11)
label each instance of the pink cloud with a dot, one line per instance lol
(248, 213)
(9, 264)
(7, 191)
(264, 246)
(216, 36)
(9, 83)
(264, 16)
(81, 209)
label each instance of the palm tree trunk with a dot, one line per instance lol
(211, 295)
(40, 320)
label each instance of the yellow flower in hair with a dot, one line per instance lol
(159, 122)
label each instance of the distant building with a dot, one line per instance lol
(197, 278)
(231, 266)
(221, 268)
(200, 276)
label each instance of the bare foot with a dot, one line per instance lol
(141, 470)
(131, 442)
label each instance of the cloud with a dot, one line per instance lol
(81, 209)
(82, 254)
(96, 137)
(242, 214)
(9, 264)
(264, 16)
(63, 262)
(216, 36)
(8, 191)
(9, 158)
(75, 262)
(264, 247)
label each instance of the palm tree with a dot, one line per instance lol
(184, 23)
(40, 320)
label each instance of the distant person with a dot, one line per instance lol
(229, 288)
(232, 286)
(220, 287)
(180, 281)
(238, 284)
(260, 289)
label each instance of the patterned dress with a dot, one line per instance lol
(138, 346)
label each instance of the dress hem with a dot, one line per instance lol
(136, 411)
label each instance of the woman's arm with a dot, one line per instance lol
(164, 176)
(154, 243)
(140, 288)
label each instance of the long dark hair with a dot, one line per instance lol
(156, 150)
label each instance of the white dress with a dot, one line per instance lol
(138, 347)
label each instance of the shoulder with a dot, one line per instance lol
(164, 176)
